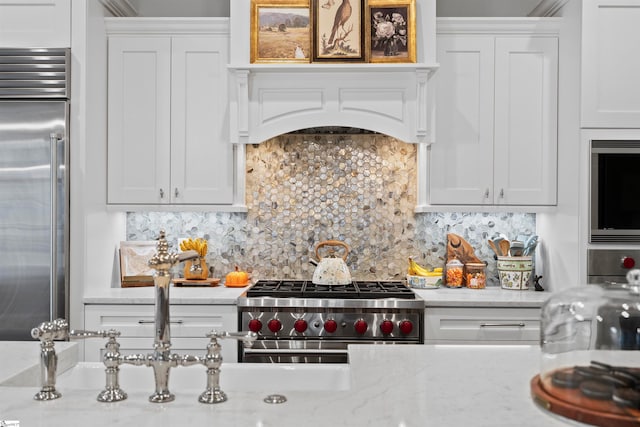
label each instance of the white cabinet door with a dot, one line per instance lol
(461, 162)
(35, 23)
(168, 138)
(139, 126)
(201, 154)
(496, 121)
(526, 121)
(610, 64)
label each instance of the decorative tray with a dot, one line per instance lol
(212, 281)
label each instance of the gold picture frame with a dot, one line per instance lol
(338, 30)
(391, 31)
(280, 31)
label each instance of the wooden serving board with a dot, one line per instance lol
(570, 403)
(199, 282)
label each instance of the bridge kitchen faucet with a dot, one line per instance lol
(161, 360)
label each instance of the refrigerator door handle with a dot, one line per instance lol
(53, 244)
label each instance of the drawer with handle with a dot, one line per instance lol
(482, 325)
(189, 326)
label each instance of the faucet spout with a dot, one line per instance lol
(162, 360)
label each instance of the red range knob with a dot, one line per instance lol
(331, 326)
(274, 325)
(360, 326)
(255, 325)
(386, 327)
(300, 325)
(628, 262)
(406, 327)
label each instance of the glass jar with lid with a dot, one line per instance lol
(474, 275)
(454, 273)
(590, 370)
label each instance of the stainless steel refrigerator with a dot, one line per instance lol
(34, 202)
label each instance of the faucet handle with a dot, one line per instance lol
(48, 331)
(82, 334)
(246, 337)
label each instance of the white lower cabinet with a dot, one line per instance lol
(482, 325)
(189, 326)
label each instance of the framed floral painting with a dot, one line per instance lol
(280, 31)
(338, 30)
(391, 30)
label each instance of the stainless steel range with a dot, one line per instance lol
(298, 321)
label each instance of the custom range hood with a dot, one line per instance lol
(267, 100)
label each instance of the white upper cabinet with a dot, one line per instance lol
(35, 23)
(496, 116)
(610, 64)
(168, 137)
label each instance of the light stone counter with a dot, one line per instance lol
(20, 361)
(403, 385)
(488, 297)
(221, 295)
(217, 295)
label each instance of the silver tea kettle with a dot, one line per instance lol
(331, 269)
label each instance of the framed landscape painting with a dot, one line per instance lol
(391, 28)
(338, 30)
(280, 31)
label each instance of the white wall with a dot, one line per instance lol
(95, 232)
(560, 231)
(182, 8)
(464, 8)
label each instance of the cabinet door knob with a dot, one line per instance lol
(486, 193)
(161, 193)
(176, 192)
(502, 193)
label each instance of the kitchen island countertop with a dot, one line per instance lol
(403, 385)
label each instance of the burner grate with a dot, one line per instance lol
(308, 289)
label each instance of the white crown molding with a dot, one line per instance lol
(151, 26)
(548, 8)
(119, 8)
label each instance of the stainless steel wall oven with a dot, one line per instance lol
(615, 191)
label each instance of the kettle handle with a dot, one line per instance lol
(333, 243)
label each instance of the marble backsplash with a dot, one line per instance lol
(303, 189)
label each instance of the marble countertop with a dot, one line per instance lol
(21, 361)
(488, 297)
(403, 385)
(221, 295)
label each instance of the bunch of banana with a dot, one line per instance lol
(198, 245)
(416, 269)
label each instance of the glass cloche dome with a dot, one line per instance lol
(590, 371)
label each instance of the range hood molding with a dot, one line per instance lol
(268, 100)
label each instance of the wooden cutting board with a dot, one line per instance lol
(212, 281)
(571, 404)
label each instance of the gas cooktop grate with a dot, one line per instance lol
(308, 289)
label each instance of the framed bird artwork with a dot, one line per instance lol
(391, 31)
(280, 31)
(338, 30)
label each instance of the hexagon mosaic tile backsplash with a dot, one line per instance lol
(303, 189)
